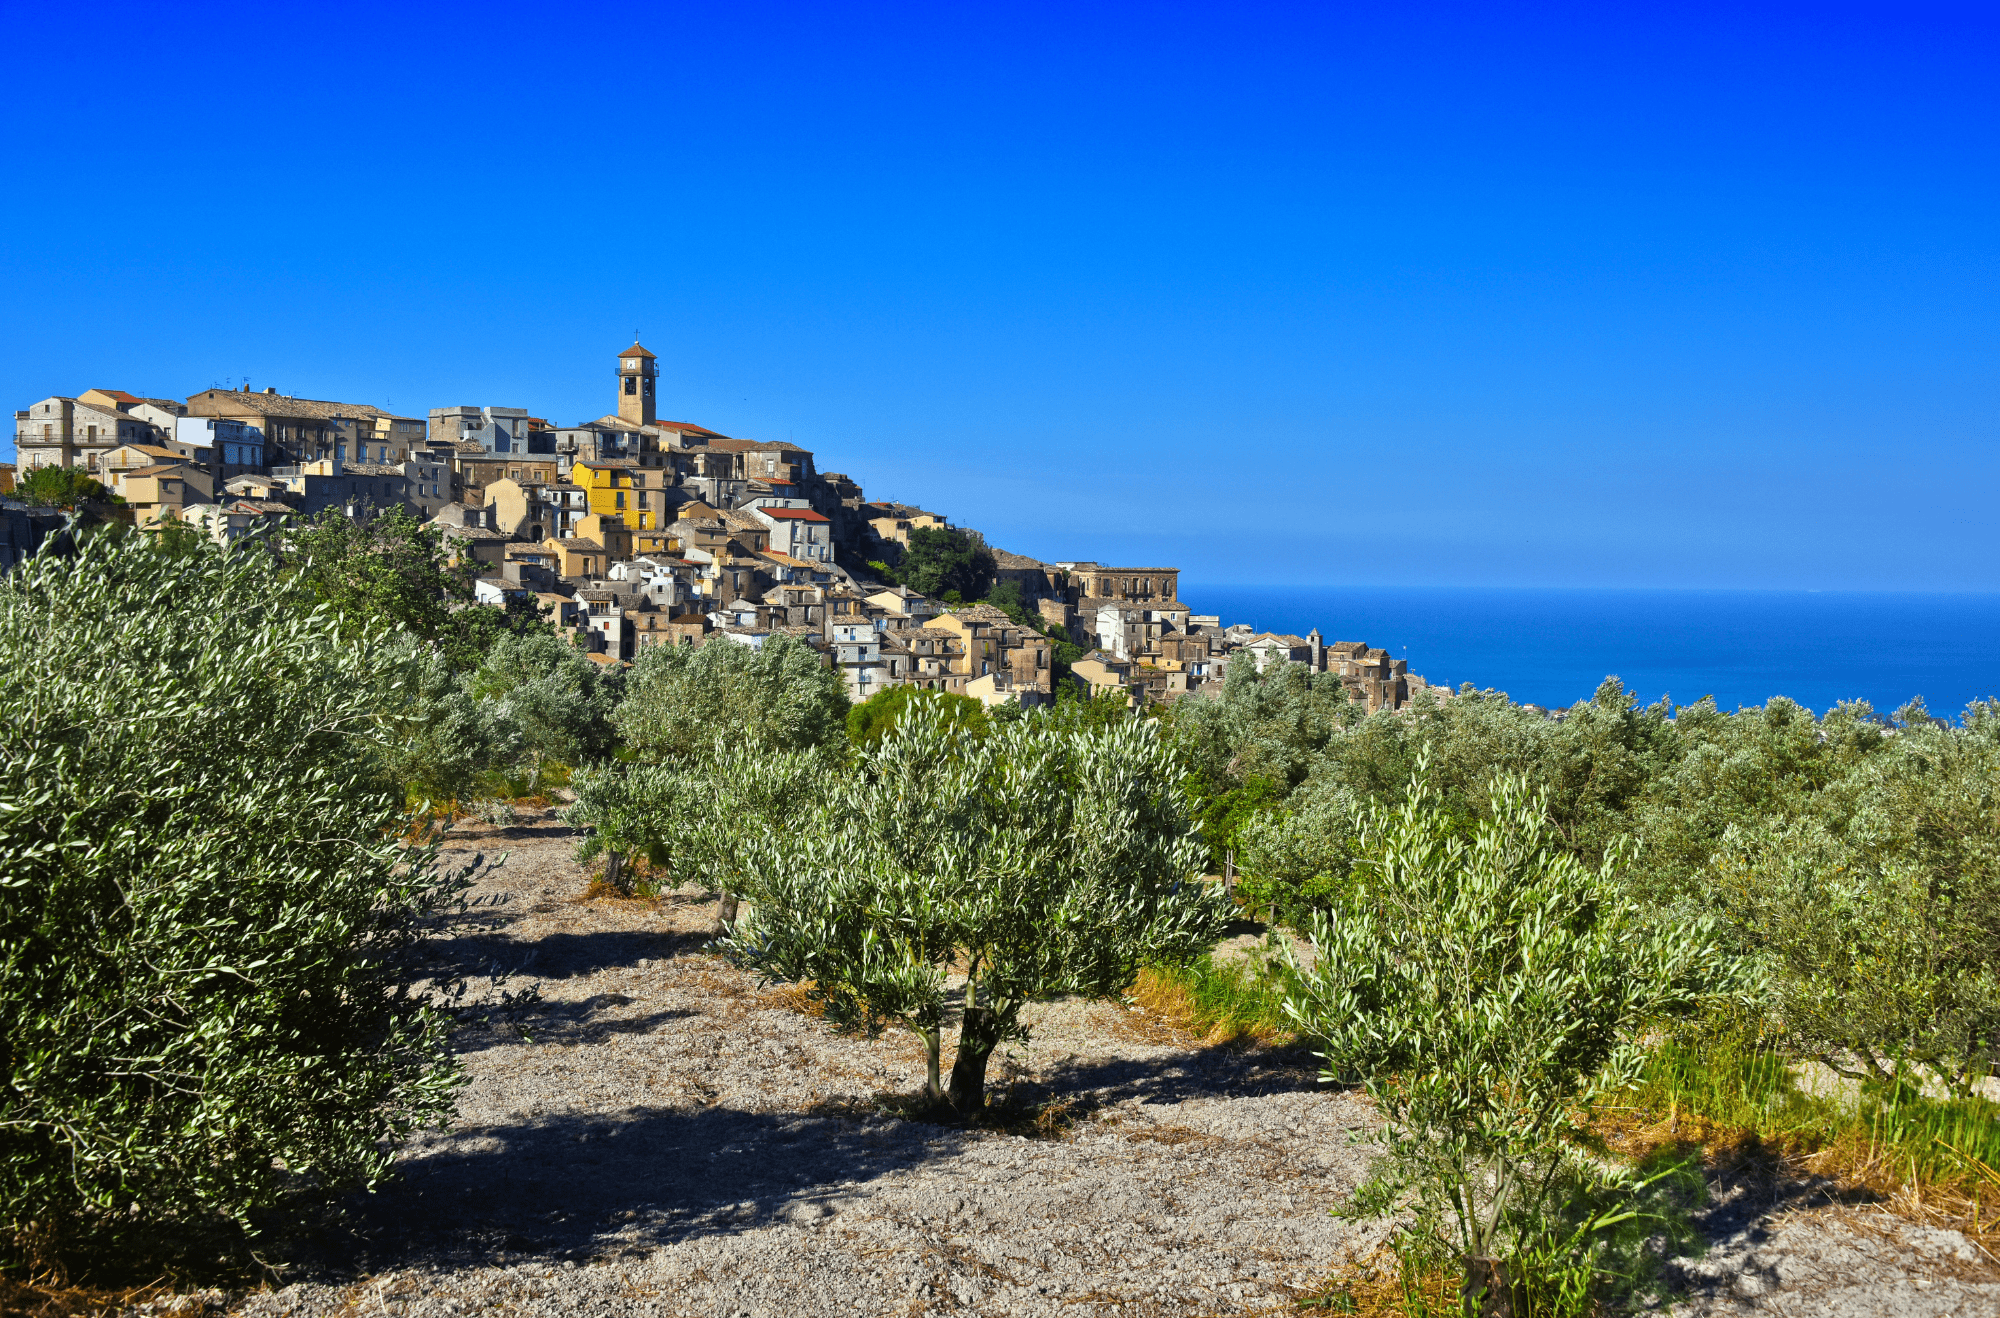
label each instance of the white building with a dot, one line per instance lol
(857, 652)
(227, 448)
(797, 530)
(495, 429)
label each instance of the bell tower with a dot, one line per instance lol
(637, 370)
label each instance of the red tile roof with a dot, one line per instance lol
(793, 514)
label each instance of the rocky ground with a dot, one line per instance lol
(657, 1135)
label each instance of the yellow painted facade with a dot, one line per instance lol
(630, 493)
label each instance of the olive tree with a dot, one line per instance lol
(1484, 990)
(1878, 929)
(203, 898)
(689, 715)
(1034, 859)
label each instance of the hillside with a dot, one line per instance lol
(658, 1135)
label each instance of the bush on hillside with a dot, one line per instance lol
(1485, 991)
(868, 721)
(942, 563)
(1040, 860)
(690, 715)
(681, 699)
(60, 487)
(203, 901)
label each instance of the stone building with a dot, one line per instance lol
(303, 430)
(1091, 582)
(70, 432)
(502, 430)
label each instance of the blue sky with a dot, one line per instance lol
(1666, 296)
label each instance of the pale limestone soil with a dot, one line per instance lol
(660, 1136)
(1842, 1262)
(670, 1139)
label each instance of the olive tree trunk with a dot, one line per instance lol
(725, 915)
(979, 1033)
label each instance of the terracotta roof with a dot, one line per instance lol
(635, 351)
(157, 468)
(581, 544)
(120, 395)
(687, 427)
(792, 514)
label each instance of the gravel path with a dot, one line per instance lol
(656, 1135)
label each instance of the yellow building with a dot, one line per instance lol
(623, 490)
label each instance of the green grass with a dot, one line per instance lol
(1222, 1002)
(1737, 1081)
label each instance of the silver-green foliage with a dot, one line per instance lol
(680, 698)
(532, 701)
(1877, 925)
(203, 898)
(1294, 860)
(1485, 990)
(723, 738)
(1038, 860)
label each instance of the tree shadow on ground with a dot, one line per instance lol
(1218, 1071)
(584, 1187)
(1752, 1188)
(601, 1186)
(485, 952)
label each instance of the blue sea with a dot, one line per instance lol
(1552, 647)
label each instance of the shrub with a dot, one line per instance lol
(203, 900)
(680, 699)
(1042, 860)
(945, 564)
(60, 487)
(1485, 991)
(868, 721)
(1294, 861)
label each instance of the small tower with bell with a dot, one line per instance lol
(637, 370)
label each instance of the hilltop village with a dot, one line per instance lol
(628, 531)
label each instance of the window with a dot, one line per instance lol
(621, 498)
(631, 385)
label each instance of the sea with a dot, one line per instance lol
(1553, 647)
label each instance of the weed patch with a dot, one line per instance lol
(1728, 1091)
(1218, 1003)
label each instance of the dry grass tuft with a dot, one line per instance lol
(795, 997)
(56, 1299)
(1861, 1169)
(1204, 1004)
(1380, 1287)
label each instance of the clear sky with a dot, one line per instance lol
(1661, 295)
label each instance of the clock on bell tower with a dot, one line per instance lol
(637, 369)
